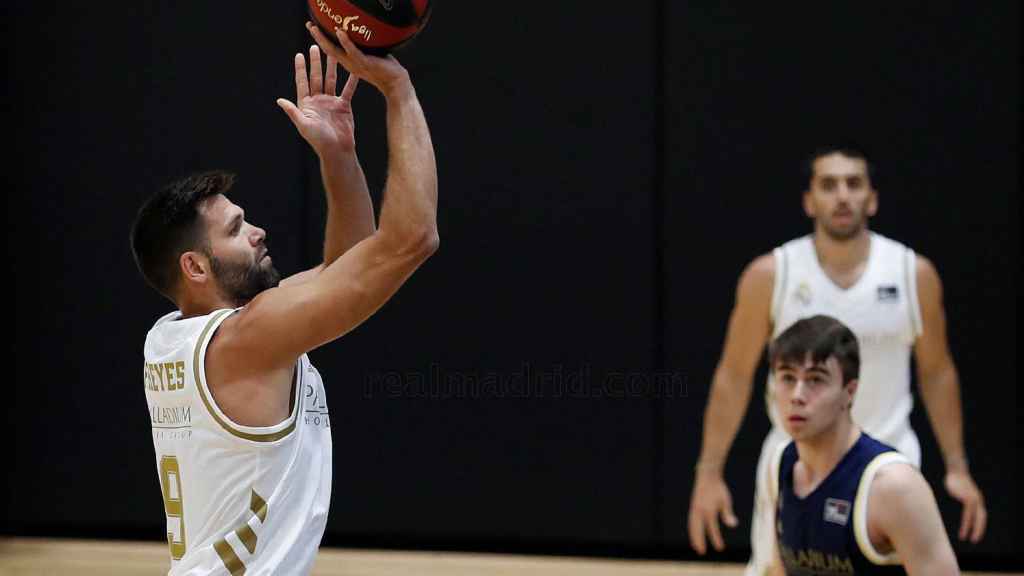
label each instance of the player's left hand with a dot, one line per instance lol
(974, 517)
(323, 119)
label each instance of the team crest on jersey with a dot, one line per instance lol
(888, 293)
(837, 511)
(803, 294)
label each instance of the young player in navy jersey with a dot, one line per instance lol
(845, 503)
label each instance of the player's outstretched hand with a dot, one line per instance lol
(322, 118)
(974, 517)
(710, 501)
(386, 74)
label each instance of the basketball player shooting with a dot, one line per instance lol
(843, 502)
(892, 300)
(239, 415)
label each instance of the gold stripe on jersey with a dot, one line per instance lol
(265, 437)
(227, 555)
(258, 506)
(246, 534)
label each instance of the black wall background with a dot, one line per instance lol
(605, 175)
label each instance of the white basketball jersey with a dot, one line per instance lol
(239, 499)
(881, 309)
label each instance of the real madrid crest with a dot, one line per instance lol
(803, 294)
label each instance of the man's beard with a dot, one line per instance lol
(240, 283)
(846, 233)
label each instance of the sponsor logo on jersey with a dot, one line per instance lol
(888, 293)
(837, 511)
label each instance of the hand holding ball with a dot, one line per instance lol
(377, 27)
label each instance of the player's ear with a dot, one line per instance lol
(851, 391)
(808, 204)
(195, 267)
(872, 203)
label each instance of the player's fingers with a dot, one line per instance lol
(980, 522)
(331, 78)
(351, 50)
(966, 518)
(711, 522)
(294, 114)
(316, 75)
(330, 47)
(728, 517)
(696, 531)
(350, 88)
(301, 81)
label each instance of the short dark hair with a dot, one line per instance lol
(168, 225)
(820, 336)
(848, 150)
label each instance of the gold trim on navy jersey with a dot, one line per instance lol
(860, 509)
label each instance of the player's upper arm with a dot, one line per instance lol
(932, 348)
(302, 277)
(902, 509)
(750, 320)
(282, 323)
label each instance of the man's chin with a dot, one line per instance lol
(845, 233)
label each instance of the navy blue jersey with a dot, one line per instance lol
(825, 533)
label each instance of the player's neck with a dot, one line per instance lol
(820, 454)
(192, 307)
(842, 255)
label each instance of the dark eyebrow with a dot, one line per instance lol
(817, 368)
(236, 219)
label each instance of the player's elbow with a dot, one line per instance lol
(412, 243)
(422, 243)
(430, 242)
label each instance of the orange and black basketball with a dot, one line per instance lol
(376, 26)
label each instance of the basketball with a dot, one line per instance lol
(376, 26)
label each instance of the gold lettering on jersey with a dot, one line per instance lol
(165, 376)
(170, 485)
(168, 415)
(815, 560)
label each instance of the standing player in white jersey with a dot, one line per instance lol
(239, 418)
(891, 299)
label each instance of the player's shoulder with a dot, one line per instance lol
(240, 342)
(895, 483)
(899, 248)
(925, 269)
(761, 268)
(757, 279)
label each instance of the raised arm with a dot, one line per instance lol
(749, 329)
(282, 323)
(903, 514)
(326, 121)
(940, 389)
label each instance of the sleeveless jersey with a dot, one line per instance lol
(826, 532)
(882, 311)
(238, 499)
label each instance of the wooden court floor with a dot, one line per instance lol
(39, 557)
